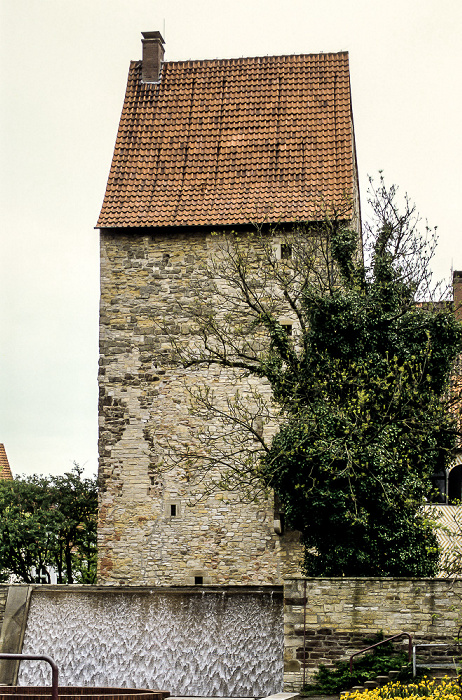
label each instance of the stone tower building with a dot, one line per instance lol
(203, 146)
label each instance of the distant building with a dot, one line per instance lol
(5, 471)
(449, 482)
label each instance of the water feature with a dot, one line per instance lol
(190, 642)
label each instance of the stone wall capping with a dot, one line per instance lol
(275, 591)
(363, 579)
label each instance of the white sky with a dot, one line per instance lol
(63, 69)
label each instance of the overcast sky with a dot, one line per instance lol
(63, 69)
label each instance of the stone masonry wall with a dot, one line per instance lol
(149, 532)
(340, 615)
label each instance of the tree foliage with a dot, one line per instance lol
(49, 522)
(361, 414)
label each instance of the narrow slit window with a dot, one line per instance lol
(173, 510)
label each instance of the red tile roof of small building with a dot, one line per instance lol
(5, 471)
(228, 142)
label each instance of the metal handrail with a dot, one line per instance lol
(389, 639)
(415, 665)
(39, 657)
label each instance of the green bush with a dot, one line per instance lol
(329, 681)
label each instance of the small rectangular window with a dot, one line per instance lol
(172, 509)
(288, 328)
(286, 251)
(198, 580)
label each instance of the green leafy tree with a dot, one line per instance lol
(76, 507)
(49, 522)
(359, 385)
(26, 534)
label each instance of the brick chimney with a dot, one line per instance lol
(457, 288)
(153, 55)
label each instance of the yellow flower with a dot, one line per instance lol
(425, 689)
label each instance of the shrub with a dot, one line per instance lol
(383, 659)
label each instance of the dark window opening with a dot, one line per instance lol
(288, 328)
(198, 580)
(455, 484)
(447, 486)
(278, 514)
(286, 251)
(152, 480)
(173, 509)
(439, 488)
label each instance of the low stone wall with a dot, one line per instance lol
(326, 620)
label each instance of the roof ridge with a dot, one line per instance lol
(242, 59)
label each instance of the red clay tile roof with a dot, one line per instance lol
(5, 471)
(232, 141)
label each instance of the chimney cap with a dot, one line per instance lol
(152, 36)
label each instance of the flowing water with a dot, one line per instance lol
(203, 643)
